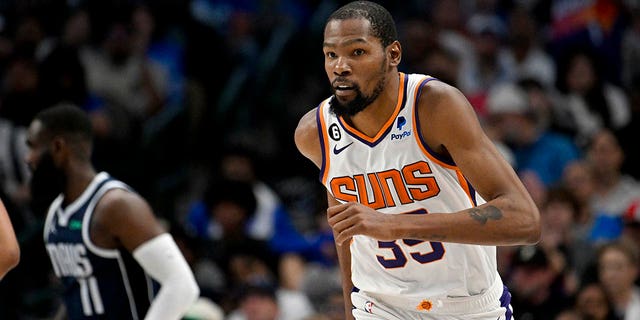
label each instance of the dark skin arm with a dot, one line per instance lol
(123, 218)
(450, 127)
(344, 260)
(10, 252)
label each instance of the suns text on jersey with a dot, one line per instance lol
(414, 182)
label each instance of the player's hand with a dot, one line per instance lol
(352, 218)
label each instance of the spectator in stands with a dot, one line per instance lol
(535, 148)
(265, 302)
(592, 102)
(481, 69)
(524, 53)
(618, 272)
(235, 254)
(578, 179)
(613, 191)
(567, 250)
(537, 285)
(128, 90)
(592, 302)
(271, 221)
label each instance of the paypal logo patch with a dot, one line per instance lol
(401, 122)
(402, 135)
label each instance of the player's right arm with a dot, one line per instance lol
(308, 143)
(10, 252)
(344, 259)
(307, 139)
(125, 218)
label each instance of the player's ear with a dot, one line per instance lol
(58, 146)
(394, 52)
(57, 143)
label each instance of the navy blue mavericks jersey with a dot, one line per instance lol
(98, 283)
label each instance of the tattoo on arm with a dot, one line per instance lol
(482, 215)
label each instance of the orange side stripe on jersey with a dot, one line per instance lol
(389, 122)
(325, 140)
(465, 186)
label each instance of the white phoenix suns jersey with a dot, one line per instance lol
(97, 283)
(395, 172)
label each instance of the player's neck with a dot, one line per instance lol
(371, 120)
(78, 179)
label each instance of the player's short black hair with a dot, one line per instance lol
(66, 120)
(382, 25)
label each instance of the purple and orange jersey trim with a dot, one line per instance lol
(386, 128)
(371, 141)
(435, 157)
(324, 141)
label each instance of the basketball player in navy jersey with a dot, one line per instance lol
(9, 248)
(419, 197)
(104, 241)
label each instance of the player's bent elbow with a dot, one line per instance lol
(10, 259)
(533, 229)
(533, 236)
(15, 257)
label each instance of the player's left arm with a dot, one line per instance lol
(451, 127)
(130, 221)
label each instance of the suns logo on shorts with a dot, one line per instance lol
(425, 305)
(368, 306)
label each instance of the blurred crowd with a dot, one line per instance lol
(194, 104)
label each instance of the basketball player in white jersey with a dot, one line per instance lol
(418, 195)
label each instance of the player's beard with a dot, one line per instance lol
(360, 102)
(47, 182)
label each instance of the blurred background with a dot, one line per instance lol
(189, 96)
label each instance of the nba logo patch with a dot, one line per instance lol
(368, 307)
